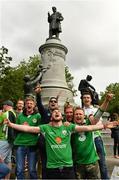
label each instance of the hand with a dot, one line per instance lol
(37, 89)
(1, 159)
(7, 122)
(109, 96)
(66, 123)
(92, 119)
(111, 124)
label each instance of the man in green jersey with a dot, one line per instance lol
(84, 152)
(58, 147)
(7, 134)
(26, 143)
(68, 112)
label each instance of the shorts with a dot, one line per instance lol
(5, 151)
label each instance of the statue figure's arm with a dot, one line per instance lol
(81, 85)
(35, 79)
(49, 18)
(59, 17)
(91, 86)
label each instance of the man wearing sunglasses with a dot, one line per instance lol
(45, 119)
(45, 112)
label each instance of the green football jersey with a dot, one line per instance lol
(24, 138)
(84, 150)
(3, 127)
(58, 146)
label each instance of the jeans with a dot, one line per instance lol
(101, 153)
(43, 155)
(4, 170)
(21, 153)
(116, 147)
(61, 173)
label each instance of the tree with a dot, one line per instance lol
(12, 81)
(69, 80)
(4, 60)
(114, 104)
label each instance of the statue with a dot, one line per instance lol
(31, 82)
(85, 86)
(54, 23)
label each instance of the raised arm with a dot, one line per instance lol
(96, 117)
(89, 128)
(95, 127)
(106, 101)
(40, 105)
(24, 128)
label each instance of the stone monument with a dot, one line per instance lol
(53, 55)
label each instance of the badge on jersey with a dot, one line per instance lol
(82, 137)
(34, 120)
(64, 132)
(58, 140)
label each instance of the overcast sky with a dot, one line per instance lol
(90, 31)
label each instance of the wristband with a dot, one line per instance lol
(98, 113)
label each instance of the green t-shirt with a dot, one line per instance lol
(58, 146)
(84, 150)
(24, 138)
(2, 126)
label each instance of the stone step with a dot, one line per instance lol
(108, 142)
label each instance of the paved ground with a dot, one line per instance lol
(111, 162)
(108, 142)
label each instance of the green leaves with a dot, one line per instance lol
(114, 104)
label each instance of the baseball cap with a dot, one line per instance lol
(8, 102)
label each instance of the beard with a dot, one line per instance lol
(56, 120)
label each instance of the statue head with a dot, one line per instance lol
(27, 78)
(54, 9)
(88, 78)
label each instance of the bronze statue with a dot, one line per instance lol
(85, 86)
(54, 23)
(31, 82)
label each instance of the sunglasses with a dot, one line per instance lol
(53, 101)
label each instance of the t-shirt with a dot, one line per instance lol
(25, 138)
(58, 146)
(84, 151)
(92, 110)
(3, 126)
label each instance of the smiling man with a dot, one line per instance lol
(45, 118)
(26, 142)
(69, 113)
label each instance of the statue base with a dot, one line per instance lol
(53, 54)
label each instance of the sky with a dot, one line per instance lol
(90, 31)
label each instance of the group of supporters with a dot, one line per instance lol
(69, 145)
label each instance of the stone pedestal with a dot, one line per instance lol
(53, 54)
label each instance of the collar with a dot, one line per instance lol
(89, 107)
